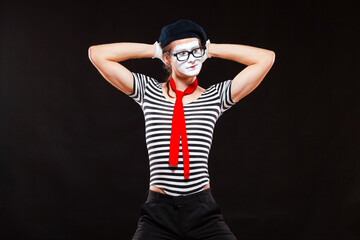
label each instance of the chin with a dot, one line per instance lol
(192, 73)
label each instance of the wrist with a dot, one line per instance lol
(149, 50)
(212, 49)
(140, 50)
(157, 51)
(154, 48)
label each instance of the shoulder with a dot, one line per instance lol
(220, 86)
(144, 78)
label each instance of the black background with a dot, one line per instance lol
(284, 163)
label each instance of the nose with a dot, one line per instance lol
(191, 58)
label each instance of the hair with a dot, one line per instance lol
(168, 69)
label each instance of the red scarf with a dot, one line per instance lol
(179, 128)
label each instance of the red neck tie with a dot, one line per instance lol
(179, 128)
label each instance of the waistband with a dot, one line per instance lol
(204, 195)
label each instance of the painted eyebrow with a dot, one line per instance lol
(183, 50)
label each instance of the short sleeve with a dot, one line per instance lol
(224, 90)
(140, 82)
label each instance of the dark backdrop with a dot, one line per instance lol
(284, 163)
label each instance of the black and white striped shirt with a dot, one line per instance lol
(200, 118)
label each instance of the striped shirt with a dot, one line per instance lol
(200, 118)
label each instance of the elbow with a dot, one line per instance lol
(95, 54)
(91, 52)
(271, 57)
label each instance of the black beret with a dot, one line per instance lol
(180, 30)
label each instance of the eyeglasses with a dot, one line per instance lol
(184, 55)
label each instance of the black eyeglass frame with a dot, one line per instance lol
(189, 52)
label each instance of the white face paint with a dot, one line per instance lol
(193, 65)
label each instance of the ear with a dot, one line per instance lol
(167, 58)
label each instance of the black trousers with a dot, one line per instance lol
(195, 216)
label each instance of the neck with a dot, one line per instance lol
(182, 82)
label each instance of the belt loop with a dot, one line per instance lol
(156, 197)
(199, 196)
(147, 195)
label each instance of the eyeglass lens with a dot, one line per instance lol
(183, 56)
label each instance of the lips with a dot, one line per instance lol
(189, 68)
(192, 67)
